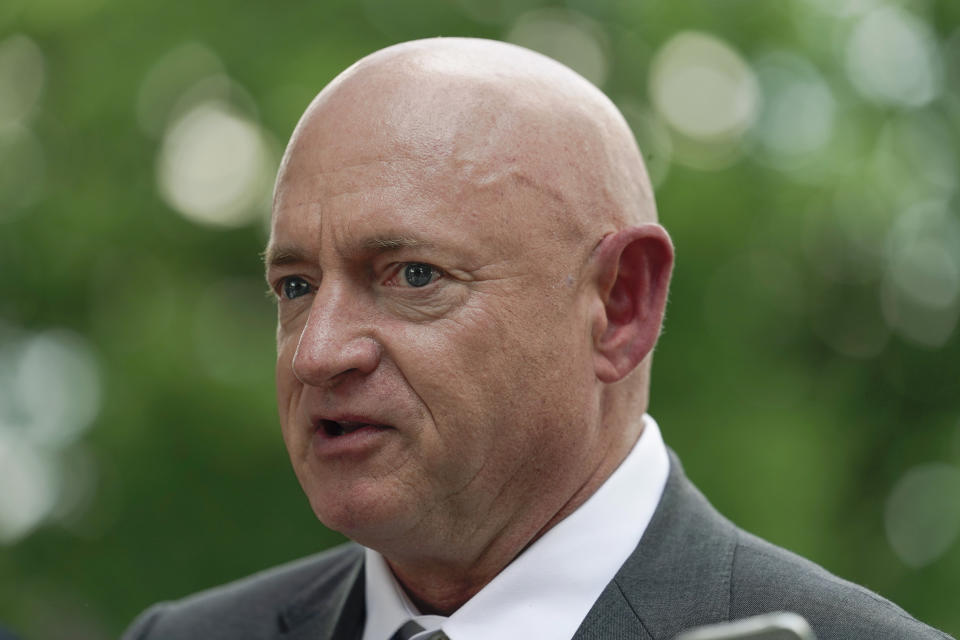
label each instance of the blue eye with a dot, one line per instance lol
(294, 287)
(418, 274)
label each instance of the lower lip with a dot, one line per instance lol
(356, 443)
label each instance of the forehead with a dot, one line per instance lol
(393, 184)
(409, 197)
(453, 155)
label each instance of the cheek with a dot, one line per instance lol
(284, 379)
(494, 381)
(288, 339)
(288, 388)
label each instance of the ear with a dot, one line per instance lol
(632, 271)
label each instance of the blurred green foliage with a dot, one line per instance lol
(807, 366)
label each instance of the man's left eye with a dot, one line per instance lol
(419, 274)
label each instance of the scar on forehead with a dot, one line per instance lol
(539, 185)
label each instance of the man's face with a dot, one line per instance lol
(434, 363)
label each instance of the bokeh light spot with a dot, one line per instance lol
(892, 58)
(703, 88)
(219, 88)
(21, 78)
(168, 79)
(24, 170)
(29, 480)
(843, 8)
(914, 160)
(926, 272)
(54, 391)
(797, 118)
(921, 287)
(49, 395)
(922, 514)
(215, 166)
(567, 36)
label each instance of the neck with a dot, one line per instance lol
(441, 585)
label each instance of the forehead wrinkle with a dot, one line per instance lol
(338, 166)
(368, 177)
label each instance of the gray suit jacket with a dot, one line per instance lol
(692, 567)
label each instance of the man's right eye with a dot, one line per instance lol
(293, 287)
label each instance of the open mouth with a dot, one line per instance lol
(334, 428)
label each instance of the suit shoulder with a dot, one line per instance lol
(768, 578)
(248, 607)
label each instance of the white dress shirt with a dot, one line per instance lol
(548, 589)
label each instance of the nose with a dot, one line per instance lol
(335, 341)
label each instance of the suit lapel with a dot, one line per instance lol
(612, 618)
(331, 608)
(678, 576)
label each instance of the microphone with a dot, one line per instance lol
(781, 625)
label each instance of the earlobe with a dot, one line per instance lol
(633, 269)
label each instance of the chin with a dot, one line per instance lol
(365, 513)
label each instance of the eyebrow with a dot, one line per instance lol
(280, 255)
(393, 243)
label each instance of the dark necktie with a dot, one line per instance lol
(411, 628)
(407, 631)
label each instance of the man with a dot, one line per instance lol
(470, 282)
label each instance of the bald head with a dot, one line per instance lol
(492, 112)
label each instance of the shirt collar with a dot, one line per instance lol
(547, 591)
